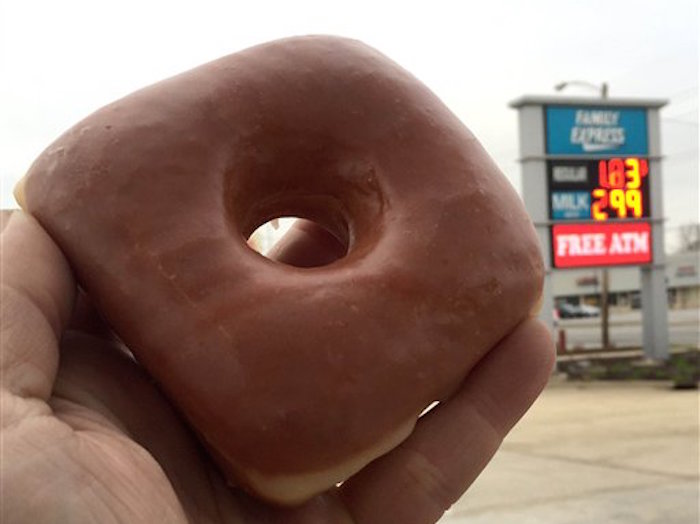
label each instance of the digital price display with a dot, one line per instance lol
(601, 189)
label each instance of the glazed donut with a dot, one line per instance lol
(293, 377)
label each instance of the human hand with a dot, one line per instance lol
(87, 436)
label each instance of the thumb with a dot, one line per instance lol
(307, 244)
(38, 291)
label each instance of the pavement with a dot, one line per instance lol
(594, 452)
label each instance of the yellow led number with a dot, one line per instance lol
(600, 202)
(619, 188)
(633, 172)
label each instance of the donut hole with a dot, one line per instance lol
(298, 242)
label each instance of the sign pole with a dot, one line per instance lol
(654, 313)
(653, 277)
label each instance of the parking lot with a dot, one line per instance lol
(594, 452)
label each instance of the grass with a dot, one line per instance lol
(682, 368)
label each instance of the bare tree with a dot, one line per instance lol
(689, 237)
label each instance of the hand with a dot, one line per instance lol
(87, 437)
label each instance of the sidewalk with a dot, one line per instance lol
(594, 453)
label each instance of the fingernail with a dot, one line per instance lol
(537, 306)
(18, 192)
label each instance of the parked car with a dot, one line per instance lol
(589, 311)
(567, 310)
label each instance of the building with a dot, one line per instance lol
(585, 286)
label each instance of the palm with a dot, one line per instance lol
(109, 446)
(81, 445)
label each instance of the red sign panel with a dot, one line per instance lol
(611, 244)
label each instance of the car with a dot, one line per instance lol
(589, 311)
(567, 310)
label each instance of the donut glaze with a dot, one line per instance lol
(294, 378)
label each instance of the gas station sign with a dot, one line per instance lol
(592, 185)
(596, 130)
(598, 175)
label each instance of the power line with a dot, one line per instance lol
(682, 153)
(685, 93)
(693, 111)
(671, 120)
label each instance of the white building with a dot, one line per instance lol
(577, 286)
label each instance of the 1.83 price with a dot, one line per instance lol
(619, 191)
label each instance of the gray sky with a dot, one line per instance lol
(63, 59)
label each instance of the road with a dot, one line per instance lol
(626, 330)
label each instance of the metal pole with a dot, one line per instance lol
(604, 309)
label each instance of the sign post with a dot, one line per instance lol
(591, 172)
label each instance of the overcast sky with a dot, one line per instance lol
(63, 59)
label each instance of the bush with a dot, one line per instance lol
(683, 369)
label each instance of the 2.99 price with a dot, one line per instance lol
(619, 188)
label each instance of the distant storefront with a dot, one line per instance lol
(585, 286)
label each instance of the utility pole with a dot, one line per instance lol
(605, 338)
(604, 316)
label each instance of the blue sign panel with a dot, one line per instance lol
(568, 205)
(596, 131)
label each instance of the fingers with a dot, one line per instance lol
(5, 215)
(87, 319)
(452, 444)
(37, 299)
(307, 244)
